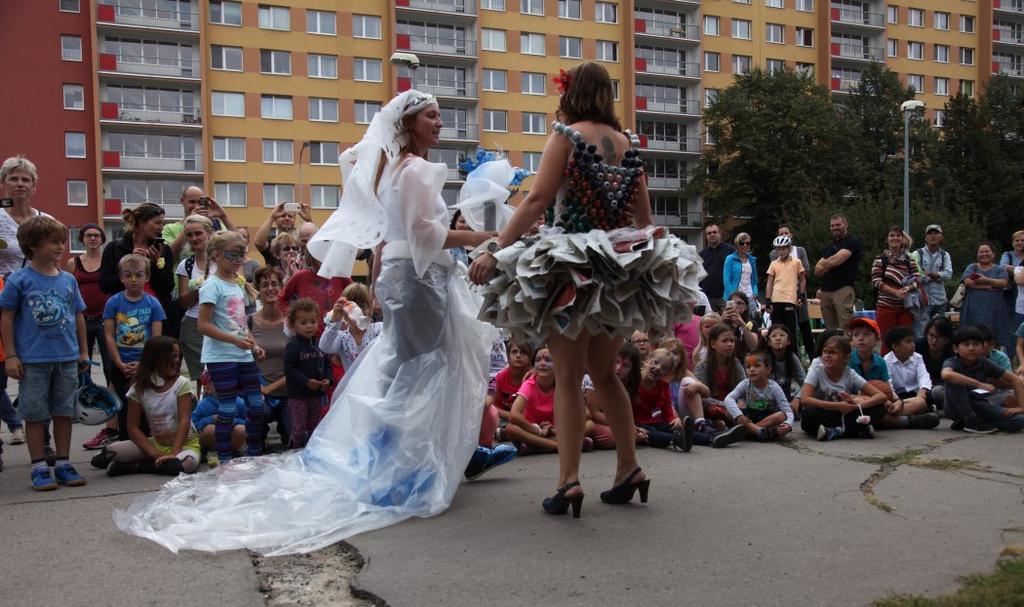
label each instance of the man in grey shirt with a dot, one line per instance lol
(936, 269)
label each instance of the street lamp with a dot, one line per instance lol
(907, 108)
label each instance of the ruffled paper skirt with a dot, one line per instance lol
(600, 282)
(395, 444)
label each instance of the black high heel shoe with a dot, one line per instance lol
(559, 503)
(623, 492)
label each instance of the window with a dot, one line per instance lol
(712, 26)
(366, 26)
(940, 118)
(804, 36)
(967, 88)
(915, 17)
(531, 44)
(569, 9)
(915, 50)
(74, 97)
(326, 23)
(278, 151)
(532, 7)
(941, 86)
(275, 18)
(775, 65)
(275, 62)
(324, 196)
(966, 24)
(533, 123)
(741, 1)
(78, 193)
(607, 50)
(966, 56)
(892, 47)
(365, 111)
(275, 193)
(942, 53)
(70, 6)
(533, 83)
(322, 66)
(71, 48)
(569, 47)
(322, 109)
(229, 149)
(615, 90)
(941, 20)
(740, 64)
(225, 13)
(226, 58)
(606, 12)
(892, 14)
(367, 70)
(916, 82)
(496, 120)
(775, 32)
(531, 161)
(495, 80)
(710, 97)
(323, 152)
(228, 104)
(806, 6)
(774, 3)
(806, 69)
(712, 62)
(741, 29)
(492, 5)
(231, 194)
(276, 107)
(493, 40)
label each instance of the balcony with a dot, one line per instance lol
(854, 50)
(151, 114)
(126, 16)
(857, 17)
(661, 67)
(1008, 6)
(664, 28)
(143, 162)
(665, 183)
(1015, 71)
(689, 145)
(447, 7)
(155, 67)
(112, 207)
(1007, 35)
(466, 133)
(445, 46)
(668, 105)
(685, 219)
(440, 88)
(844, 85)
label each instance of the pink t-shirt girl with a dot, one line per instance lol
(540, 405)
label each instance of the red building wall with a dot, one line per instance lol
(32, 100)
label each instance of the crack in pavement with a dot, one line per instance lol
(76, 497)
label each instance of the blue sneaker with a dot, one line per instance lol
(485, 459)
(42, 480)
(67, 475)
(826, 433)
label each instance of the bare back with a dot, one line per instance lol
(611, 144)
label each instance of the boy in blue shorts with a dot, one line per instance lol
(43, 330)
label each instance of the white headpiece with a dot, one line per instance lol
(360, 220)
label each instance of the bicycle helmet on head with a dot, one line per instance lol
(782, 241)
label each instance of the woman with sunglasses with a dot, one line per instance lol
(740, 271)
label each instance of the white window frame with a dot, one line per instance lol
(603, 47)
(363, 115)
(76, 201)
(321, 145)
(941, 86)
(221, 4)
(892, 14)
(965, 51)
(528, 82)
(565, 47)
(531, 161)
(737, 26)
(770, 38)
(226, 142)
(526, 40)
(359, 29)
(770, 70)
(805, 6)
(68, 52)
(964, 21)
(277, 191)
(489, 121)
(800, 37)
(223, 52)
(941, 52)
(708, 55)
(493, 40)
(274, 60)
(602, 8)
(915, 50)
(318, 19)
(270, 16)
(488, 75)
(225, 192)
(915, 17)
(967, 84)
(77, 4)
(492, 5)
(277, 104)
(940, 20)
(775, 3)
(564, 13)
(366, 62)
(892, 47)
(532, 120)
(319, 61)
(225, 97)
(75, 90)
(916, 82)
(710, 96)
(320, 193)
(806, 69)
(319, 103)
(737, 59)
(712, 25)
(281, 151)
(532, 7)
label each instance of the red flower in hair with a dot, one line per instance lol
(562, 80)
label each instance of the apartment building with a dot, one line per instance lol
(255, 99)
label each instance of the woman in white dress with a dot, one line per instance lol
(406, 418)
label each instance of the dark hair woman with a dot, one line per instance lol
(592, 172)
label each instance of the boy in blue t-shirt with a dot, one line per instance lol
(130, 319)
(43, 330)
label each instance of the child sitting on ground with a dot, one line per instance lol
(972, 400)
(721, 372)
(707, 321)
(787, 371)
(910, 382)
(502, 391)
(992, 350)
(531, 421)
(656, 421)
(307, 371)
(627, 369)
(758, 404)
(836, 401)
(164, 397)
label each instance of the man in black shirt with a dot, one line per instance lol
(714, 255)
(837, 270)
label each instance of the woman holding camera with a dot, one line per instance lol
(143, 226)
